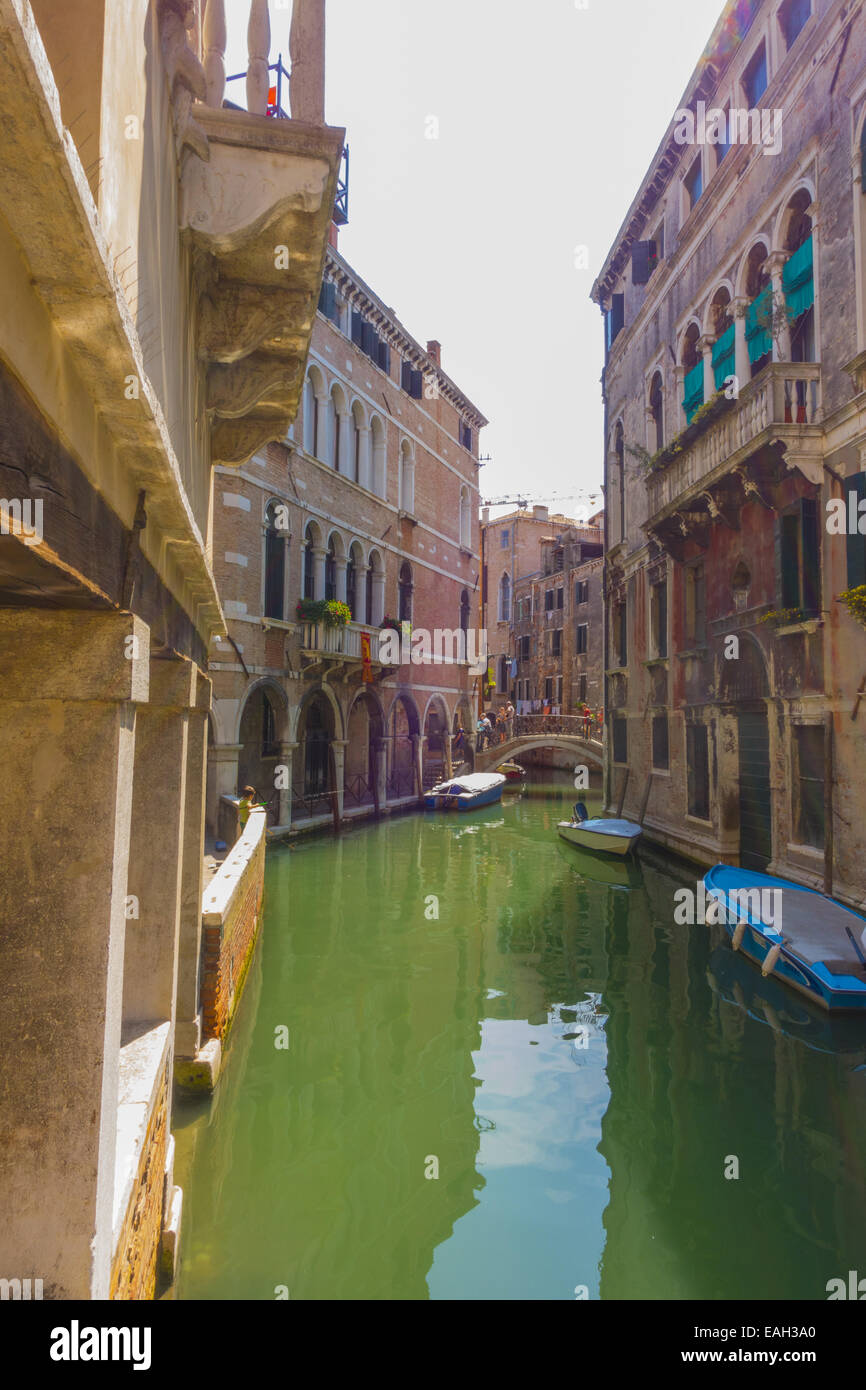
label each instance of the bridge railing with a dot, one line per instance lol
(572, 724)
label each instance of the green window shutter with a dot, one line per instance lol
(758, 339)
(723, 357)
(856, 543)
(693, 395)
(798, 280)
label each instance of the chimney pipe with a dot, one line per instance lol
(434, 350)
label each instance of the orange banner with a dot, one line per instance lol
(367, 658)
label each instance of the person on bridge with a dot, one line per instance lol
(509, 721)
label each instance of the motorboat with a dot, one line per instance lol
(799, 936)
(465, 793)
(512, 772)
(609, 836)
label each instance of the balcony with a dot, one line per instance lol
(773, 427)
(339, 650)
(258, 192)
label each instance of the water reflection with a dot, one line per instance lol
(577, 1065)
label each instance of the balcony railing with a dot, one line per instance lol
(306, 80)
(340, 642)
(783, 399)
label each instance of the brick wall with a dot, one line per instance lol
(227, 947)
(133, 1275)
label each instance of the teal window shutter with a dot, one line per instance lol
(798, 280)
(723, 357)
(693, 396)
(856, 543)
(758, 338)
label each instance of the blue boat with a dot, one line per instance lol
(465, 793)
(806, 940)
(612, 836)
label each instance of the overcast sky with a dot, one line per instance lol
(548, 115)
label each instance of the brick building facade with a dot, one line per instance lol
(371, 500)
(735, 395)
(558, 628)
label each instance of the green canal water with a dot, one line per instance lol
(580, 1071)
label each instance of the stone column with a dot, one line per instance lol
(347, 461)
(775, 265)
(742, 366)
(449, 763)
(378, 613)
(419, 744)
(287, 755)
(307, 50)
(364, 460)
(187, 1030)
(361, 594)
(381, 747)
(224, 757)
(680, 390)
(705, 346)
(71, 684)
(341, 579)
(650, 430)
(339, 746)
(319, 557)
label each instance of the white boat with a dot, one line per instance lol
(609, 836)
(465, 793)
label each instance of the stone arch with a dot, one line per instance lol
(800, 196)
(687, 353)
(281, 701)
(749, 261)
(365, 731)
(404, 726)
(263, 720)
(723, 294)
(744, 679)
(318, 722)
(296, 722)
(338, 414)
(315, 395)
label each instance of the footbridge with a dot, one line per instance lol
(533, 731)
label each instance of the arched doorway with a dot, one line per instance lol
(313, 772)
(365, 731)
(262, 731)
(745, 686)
(405, 727)
(436, 734)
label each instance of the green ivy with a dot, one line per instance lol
(855, 601)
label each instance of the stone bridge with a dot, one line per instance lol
(542, 731)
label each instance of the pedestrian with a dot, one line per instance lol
(245, 805)
(479, 735)
(509, 720)
(500, 725)
(459, 742)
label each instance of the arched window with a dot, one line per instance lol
(407, 478)
(798, 282)
(693, 364)
(338, 415)
(405, 593)
(309, 564)
(351, 598)
(465, 519)
(380, 467)
(759, 340)
(311, 418)
(505, 598)
(331, 571)
(276, 558)
(656, 401)
(357, 426)
(619, 467)
(464, 611)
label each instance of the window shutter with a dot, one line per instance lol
(384, 356)
(406, 377)
(357, 327)
(856, 543)
(559, 594)
(417, 387)
(368, 335)
(643, 259)
(328, 299)
(615, 318)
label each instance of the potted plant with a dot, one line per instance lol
(784, 617)
(337, 614)
(311, 610)
(855, 601)
(391, 623)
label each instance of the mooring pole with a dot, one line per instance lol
(623, 792)
(828, 805)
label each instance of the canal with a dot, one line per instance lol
(545, 1089)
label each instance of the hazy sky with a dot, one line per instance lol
(548, 115)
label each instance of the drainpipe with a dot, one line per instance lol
(606, 634)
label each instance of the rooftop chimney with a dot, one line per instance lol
(434, 350)
(540, 513)
(485, 515)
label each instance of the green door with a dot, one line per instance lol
(756, 833)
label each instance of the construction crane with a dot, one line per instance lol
(519, 500)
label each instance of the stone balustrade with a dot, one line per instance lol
(306, 48)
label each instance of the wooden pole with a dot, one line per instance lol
(828, 805)
(623, 790)
(646, 797)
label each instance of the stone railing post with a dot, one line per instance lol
(259, 50)
(307, 49)
(214, 41)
